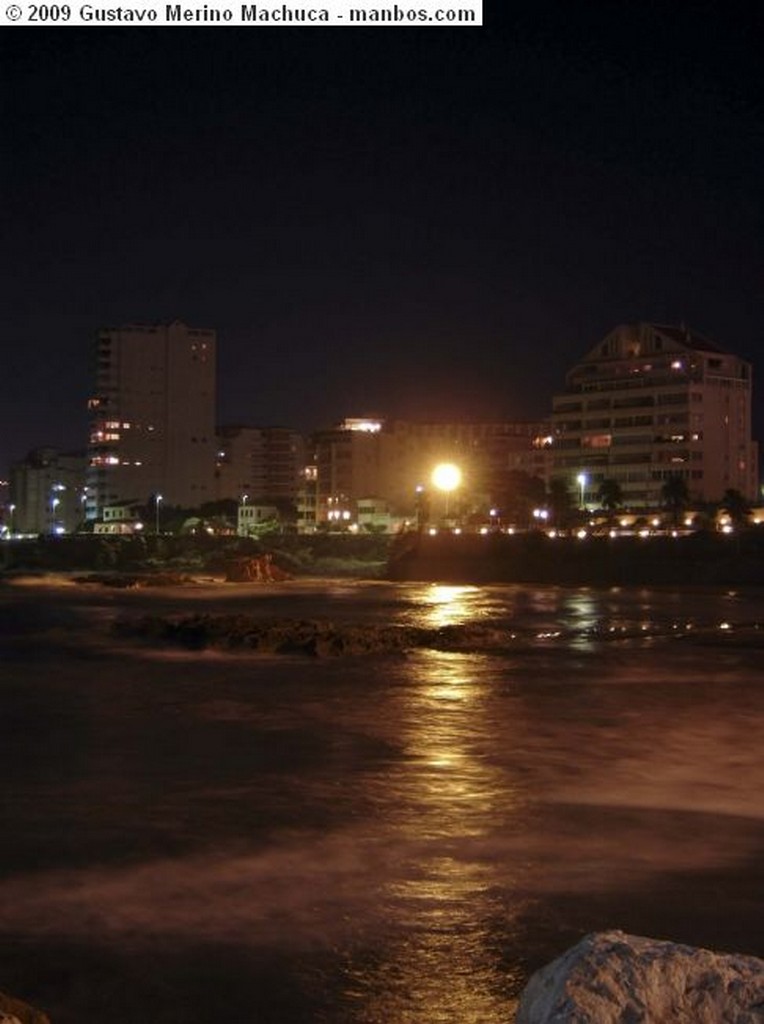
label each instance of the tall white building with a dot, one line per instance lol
(650, 402)
(152, 426)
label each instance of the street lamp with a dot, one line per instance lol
(54, 527)
(11, 509)
(446, 477)
(422, 507)
(582, 480)
(157, 501)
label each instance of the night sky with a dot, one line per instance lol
(408, 222)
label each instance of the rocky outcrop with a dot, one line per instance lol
(614, 978)
(248, 569)
(13, 1011)
(323, 638)
(309, 636)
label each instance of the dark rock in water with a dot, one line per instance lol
(13, 1011)
(320, 638)
(312, 637)
(613, 978)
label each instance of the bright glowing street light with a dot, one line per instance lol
(446, 477)
(582, 480)
(157, 502)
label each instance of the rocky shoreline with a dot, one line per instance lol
(612, 978)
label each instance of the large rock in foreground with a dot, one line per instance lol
(613, 978)
(13, 1011)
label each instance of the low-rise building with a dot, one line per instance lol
(124, 520)
(255, 520)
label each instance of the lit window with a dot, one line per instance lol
(365, 426)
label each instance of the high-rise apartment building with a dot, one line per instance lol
(650, 402)
(152, 427)
(265, 463)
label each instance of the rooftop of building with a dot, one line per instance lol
(684, 335)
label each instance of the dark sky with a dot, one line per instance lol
(414, 222)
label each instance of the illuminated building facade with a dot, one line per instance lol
(391, 462)
(486, 452)
(650, 402)
(152, 417)
(47, 491)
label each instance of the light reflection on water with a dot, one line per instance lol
(439, 966)
(401, 836)
(443, 605)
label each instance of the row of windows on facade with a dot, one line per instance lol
(634, 401)
(656, 476)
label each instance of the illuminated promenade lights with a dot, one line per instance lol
(541, 515)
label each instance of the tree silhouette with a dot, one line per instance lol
(735, 505)
(610, 495)
(561, 501)
(675, 496)
(517, 493)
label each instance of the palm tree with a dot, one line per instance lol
(675, 496)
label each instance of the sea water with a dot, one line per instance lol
(194, 836)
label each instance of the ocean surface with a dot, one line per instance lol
(198, 836)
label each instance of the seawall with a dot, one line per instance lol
(696, 559)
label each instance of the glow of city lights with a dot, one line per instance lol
(446, 476)
(363, 426)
